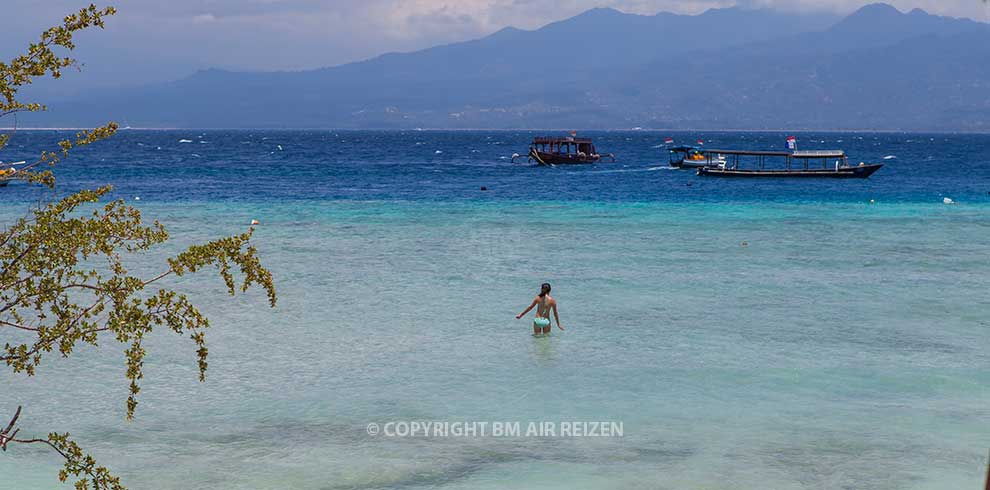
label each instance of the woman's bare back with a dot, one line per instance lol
(544, 305)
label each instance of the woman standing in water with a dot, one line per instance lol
(543, 303)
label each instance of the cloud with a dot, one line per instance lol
(974, 9)
(411, 19)
(204, 18)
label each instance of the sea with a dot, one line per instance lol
(719, 333)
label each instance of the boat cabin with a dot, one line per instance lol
(547, 150)
(569, 145)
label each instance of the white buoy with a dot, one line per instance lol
(872, 201)
(137, 198)
(946, 200)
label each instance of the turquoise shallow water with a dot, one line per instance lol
(845, 346)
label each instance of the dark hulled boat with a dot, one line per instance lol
(563, 151)
(859, 172)
(796, 164)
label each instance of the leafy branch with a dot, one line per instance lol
(77, 464)
(42, 59)
(48, 291)
(63, 279)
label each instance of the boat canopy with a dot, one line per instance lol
(564, 145)
(792, 154)
(819, 154)
(548, 140)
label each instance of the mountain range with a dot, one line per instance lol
(734, 68)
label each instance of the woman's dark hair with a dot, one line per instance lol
(544, 289)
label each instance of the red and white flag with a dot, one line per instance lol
(791, 143)
(668, 141)
(701, 142)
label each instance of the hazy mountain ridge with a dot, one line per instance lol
(727, 68)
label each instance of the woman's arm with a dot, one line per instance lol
(556, 315)
(531, 305)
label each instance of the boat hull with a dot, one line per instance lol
(690, 164)
(563, 159)
(860, 172)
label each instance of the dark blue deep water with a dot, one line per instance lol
(190, 165)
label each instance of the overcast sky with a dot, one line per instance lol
(153, 40)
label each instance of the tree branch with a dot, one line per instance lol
(76, 463)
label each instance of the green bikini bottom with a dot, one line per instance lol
(541, 322)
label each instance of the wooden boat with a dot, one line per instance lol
(693, 157)
(797, 164)
(566, 150)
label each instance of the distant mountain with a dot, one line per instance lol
(726, 68)
(876, 69)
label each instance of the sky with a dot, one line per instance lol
(152, 41)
